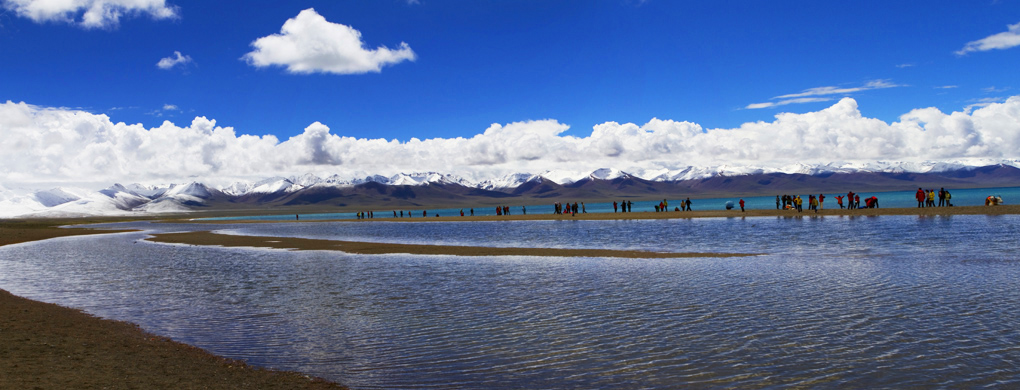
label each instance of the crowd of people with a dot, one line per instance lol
(926, 198)
(815, 203)
(559, 208)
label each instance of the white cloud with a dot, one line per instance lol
(89, 13)
(947, 87)
(993, 89)
(821, 91)
(170, 107)
(1004, 40)
(168, 63)
(54, 145)
(308, 43)
(984, 102)
(907, 65)
(805, 96)
(785, 102)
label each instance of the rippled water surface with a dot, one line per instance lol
(891, 301)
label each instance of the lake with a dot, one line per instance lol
(960, 197)
(861, 302)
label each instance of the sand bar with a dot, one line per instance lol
(371, 248)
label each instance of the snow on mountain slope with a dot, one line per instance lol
(148, 191)
(564, 177)
(93, 204)
(274, 185)
(306, 180)
(164, 205)
(607, 174)
(238, 188)
(191, 190)
(56, 196)
(425, 178)
(123, 198)
(13, 205)
(510, 181)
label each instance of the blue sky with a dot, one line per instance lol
(435, 69)
(481, 62)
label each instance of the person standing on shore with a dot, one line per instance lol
(777, 202)
(630, 206)
(688, 202)
(948, 198)
(920, 197)
(741, 205)
(942, 197)
(614, 206)
(821, 201)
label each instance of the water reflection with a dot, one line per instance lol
(842, 301)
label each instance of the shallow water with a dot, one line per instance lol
(890, 301)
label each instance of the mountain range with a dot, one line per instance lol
(431, 189)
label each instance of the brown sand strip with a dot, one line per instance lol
(372, 248)
(21, 230)
(45, 346)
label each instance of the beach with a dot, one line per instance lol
(48, 346)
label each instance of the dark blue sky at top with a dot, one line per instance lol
(481, 62)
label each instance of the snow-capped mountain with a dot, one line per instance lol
(56, 196)
(274, 185)
(510, 181)
(123, 198)
(310, 189)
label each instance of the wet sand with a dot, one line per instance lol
(370, 248)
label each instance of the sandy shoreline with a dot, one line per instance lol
(48, 346)
(371, 248)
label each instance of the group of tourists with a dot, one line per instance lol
(500, 210)
(926, 198)
(815, 203)
(626, 205)
(559, 208)
(424, 213)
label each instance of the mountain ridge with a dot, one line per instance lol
(433, 189)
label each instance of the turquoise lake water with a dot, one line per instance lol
(960, 197)
(848, 302)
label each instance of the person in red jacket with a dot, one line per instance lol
(920, 195)
(741, 205)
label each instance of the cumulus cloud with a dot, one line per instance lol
(820, 94)
(89, 13)
(308, 43)
(54, 145)
(168, 63)
(1004, 40)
